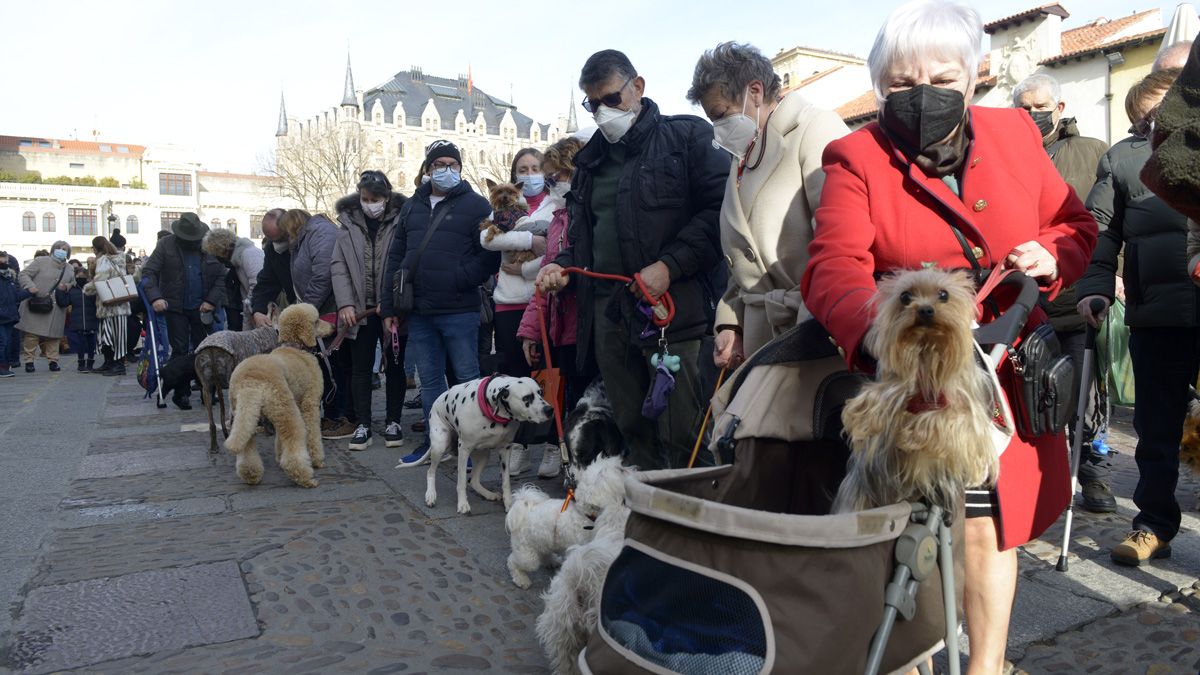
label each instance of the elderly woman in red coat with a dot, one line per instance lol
(893, 189)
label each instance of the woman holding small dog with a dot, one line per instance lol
(936, 182)
(110, 264)
(775, 142)
(366, 224)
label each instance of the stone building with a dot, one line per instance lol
(89, 187)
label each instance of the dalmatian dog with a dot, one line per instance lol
(481, 415)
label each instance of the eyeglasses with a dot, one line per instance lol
(1145, 126)
(611, 100)
(452, 165)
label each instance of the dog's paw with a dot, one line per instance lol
(490, 496)
(318, 464)
(310, 483)
(521, 581)
(250, 477)
(464, 508)
(430, 499)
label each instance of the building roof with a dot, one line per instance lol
(1103, 35)
(348, 95)
(56, 145)
(414, 89)
(1053, 9)
(826, 52)
(235, 176)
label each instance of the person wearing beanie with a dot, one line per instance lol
(117, 240)
(445, 268)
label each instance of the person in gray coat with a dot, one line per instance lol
(310, 240)
(367, 221)
(41, 277)
(240, 255)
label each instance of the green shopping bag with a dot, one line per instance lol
(1112, 356)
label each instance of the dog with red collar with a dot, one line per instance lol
(477, 417)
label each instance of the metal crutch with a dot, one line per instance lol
(1085, 385)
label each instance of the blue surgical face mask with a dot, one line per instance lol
(445, 178)
(532, 184)
(60, 255)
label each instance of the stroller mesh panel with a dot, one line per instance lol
(680, 619)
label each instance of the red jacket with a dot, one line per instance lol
(880, 213)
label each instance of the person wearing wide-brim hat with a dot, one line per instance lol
(182, 282)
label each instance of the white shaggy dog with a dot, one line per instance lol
(542, 530)
(479, 416)
(573, 599)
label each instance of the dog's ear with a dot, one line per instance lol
(519, 184)
(503, 393)
(323, 328)
(490, 183)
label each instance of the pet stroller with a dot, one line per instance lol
(155, 351)
(740, 568)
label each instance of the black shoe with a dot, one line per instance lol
(182, 402)
(115, 371)
(54, 368)
(83, 367)
(393, 435)
(88, 365)
(103, 367)
(413, 403)
(29, 367)
(361, 440)
(1097, 498)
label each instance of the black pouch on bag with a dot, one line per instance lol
(1045, 384)
(402, 291)
(41, 304)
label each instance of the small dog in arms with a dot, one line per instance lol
(479, 416)
(922, 428)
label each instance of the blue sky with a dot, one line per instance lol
(207, 75)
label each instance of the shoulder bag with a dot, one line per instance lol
(403, 280)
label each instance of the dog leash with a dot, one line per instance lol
(707, 415)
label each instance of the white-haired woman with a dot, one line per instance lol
(243, 257)
(936, 182)
(774, 186)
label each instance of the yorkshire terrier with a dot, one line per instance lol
(508, 208)
(921, 429)
(1189, 446)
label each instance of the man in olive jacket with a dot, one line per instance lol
(645, 199)
(185, 283)
(1076, 158)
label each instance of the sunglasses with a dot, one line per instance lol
(1145, 126)
(611, 100)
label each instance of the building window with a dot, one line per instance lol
(47, 222)
(105, 148)
(76, 165)
(256, 225)
(175, 184)
(81, 222)
(400, 148)
(43, 144)
(787, 79)
(131, 224)
(379, 147)
(29, 222)
(165, 219)
(216, 222)
(123, 149)
(231, 225)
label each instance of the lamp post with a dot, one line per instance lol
(112, 222)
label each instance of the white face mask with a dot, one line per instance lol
(280, 246)
(560, 189)
(614, 123)
(373, 210)
(735, 133)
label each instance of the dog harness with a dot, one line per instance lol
(919, 404)
(485, 406)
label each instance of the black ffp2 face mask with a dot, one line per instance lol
(921, 117)
(1044, 119)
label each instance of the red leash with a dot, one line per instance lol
(664, 313)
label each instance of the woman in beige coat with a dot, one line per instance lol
(774, 186)
(41, 277)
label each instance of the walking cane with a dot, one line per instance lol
(1085, 384)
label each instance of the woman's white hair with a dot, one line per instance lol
(921, 29)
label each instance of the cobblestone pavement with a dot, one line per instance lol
(141, 552)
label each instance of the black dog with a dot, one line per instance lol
(178, 374)
(590, 428)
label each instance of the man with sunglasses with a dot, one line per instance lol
(1075, 157)
(646, 198)
(446, 270)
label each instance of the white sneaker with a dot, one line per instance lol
(551, 462)
(518, 459)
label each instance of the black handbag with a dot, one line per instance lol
(41, 304)
(404, 279)
(1045, 377)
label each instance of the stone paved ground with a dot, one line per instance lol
(134, 550)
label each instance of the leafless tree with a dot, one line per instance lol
(495, 166)
(318, 166)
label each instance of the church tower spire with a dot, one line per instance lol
(348, 96)
(282, 128)
(572, 125)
